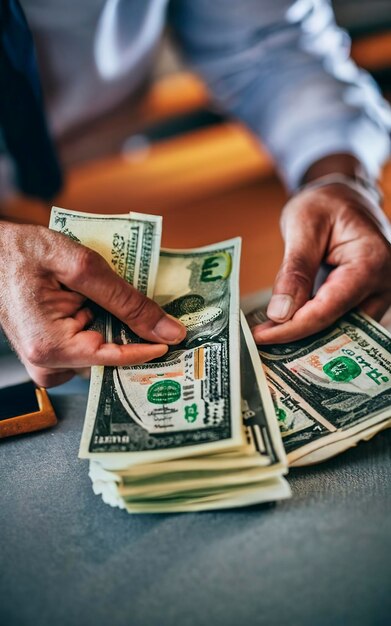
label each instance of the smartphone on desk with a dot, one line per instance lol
(25, 408)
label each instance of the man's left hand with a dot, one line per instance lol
(332, 224)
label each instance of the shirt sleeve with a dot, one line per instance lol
(283, 68)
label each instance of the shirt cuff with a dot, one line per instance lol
(362, 138)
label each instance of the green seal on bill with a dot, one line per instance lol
(342, 369)
(164, 392)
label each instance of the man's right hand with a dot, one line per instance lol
(45, 279)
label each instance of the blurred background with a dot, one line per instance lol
(171, 153)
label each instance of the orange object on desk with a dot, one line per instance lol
(18, 397)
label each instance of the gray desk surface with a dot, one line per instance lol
(68, 559)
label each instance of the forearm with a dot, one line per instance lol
(289, 78)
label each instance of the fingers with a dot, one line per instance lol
(292, 288)
(305, 245)
(106, 354)
(46, 377)
(47, 322)
(59, 302)
(87, 348)
(83, 317)
(50, 369)
(342, 291)
(89, 274)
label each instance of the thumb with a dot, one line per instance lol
(295, 279)
(87, 272)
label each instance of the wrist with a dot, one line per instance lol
(345, 164)
(341, 168)
(363, 186)
(371, 196)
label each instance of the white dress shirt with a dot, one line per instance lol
(280, 66)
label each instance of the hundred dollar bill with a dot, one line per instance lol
(332, 389)
(130, 243)
(188, 401)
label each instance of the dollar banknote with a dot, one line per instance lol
(332, 389)
(130, 243)
(189, 399)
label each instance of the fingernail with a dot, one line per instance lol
(280, 307)
(169, 329)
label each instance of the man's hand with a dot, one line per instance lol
(331, 224)
(45, 279)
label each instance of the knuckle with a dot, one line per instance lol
(36, 352)
(43, 235)
(294, 211)
(47, 245)
(83, 264)
(377, 255)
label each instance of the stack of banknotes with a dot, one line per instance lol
(203, 427)
(331, 390)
